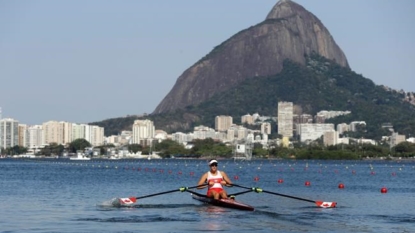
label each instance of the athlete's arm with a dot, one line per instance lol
(202, 181)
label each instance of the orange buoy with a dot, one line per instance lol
(280, 181)
(341, 186)
(383, 190)
(307, 183)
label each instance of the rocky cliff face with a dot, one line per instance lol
(288, 32)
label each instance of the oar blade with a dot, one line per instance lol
(326, 204)
(124, 201)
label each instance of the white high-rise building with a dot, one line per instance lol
(94, 135)
(313, 131)
(203, 132)
(9, 133)
(35, 136)
(142, 130)
(285, 119)
(78, 131)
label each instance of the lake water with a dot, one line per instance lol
(55, 195)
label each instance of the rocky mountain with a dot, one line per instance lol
(288, 32)
(290, 56)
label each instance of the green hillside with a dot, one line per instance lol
(320, 85)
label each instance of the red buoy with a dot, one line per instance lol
(383, 190)
(307, 183)
(341, 186)
(236, 177)
(256, 178)
(280, 181)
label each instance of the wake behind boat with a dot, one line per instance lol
(228, 203)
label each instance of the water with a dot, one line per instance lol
(72, 196)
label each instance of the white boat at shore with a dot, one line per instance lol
(80, 156)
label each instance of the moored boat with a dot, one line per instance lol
(228, 203)
(80, 156)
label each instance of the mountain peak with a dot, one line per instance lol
(285, 8)
(289, 32)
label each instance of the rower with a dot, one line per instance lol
(215, 180)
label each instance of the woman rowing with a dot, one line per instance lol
(215, 179)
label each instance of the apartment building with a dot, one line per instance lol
(285, 119)
(223, 123)
(143, 130)
(9, 133)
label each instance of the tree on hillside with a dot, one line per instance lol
(78, 144)
(134, 148)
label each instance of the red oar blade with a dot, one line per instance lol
(326, 204)
(124, 201)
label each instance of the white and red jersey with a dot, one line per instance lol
(215, 179)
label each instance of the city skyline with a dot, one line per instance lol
(116, 59)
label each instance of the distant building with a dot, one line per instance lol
(142, 131)
(203, 132)
(411, 140)
(332, 114)
(223, 123)
(395, 139)
(313, 131)
(355, 124)
(23, 135)
(266, 128)
(248, 119)
(9, 133)
(343, 127)
(330, 138)
(35, 136)
(285, 119)
(52, 132)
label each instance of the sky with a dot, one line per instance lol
(85, 61)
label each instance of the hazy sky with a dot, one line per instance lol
(85, 61)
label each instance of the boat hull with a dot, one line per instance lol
(228, 203)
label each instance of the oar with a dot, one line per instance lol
(323, 204)
(239, 193)
(128, 201)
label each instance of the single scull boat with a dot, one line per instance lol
(229, 203)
